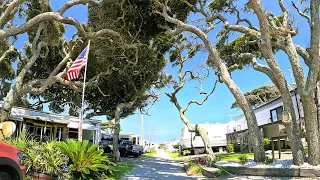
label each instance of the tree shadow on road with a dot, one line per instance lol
(158, 168)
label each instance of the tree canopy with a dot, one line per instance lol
(125, 69)
(259, 96)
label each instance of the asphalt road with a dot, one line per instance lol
(162, 167)
(159, 167)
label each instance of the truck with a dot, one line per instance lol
(126, 148)
(11, 167)
(106, 142)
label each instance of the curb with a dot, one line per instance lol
(274, 172)
(186, 167)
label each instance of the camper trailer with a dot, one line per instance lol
(192, 141)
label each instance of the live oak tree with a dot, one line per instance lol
(201, 32)
(45, 29)
(260, 96)
(134, 67)
(131, 67)
(178, 60)
(276, 34)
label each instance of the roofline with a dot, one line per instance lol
(269, 102)
(55, 114)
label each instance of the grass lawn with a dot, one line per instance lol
(173, 155)
(150, 154)
(232, 156)
(120, 170)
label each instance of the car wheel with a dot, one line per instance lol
(136, 155)
(5, 176)
(121, 153)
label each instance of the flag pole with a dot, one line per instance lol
(83, 92)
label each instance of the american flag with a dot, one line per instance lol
(78, 64)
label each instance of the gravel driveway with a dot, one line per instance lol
(159, 167)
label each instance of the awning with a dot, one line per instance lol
(85, 126)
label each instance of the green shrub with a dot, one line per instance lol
(48, 159)
(266, 143)
(153, 150)
(162, 146)
(176, 146)
(186, 152)
(237, 148)
(243, 159)
(87, 162)
(195, 169)
(218, 158)
(230, 148)
(44, 158)
(267, 160)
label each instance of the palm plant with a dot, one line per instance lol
(86, 161)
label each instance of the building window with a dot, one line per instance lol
(238, 127)
(276, 114)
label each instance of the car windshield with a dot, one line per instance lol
(127, 142)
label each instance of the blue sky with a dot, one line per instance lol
(164, 117)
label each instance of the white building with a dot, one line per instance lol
(170, 145)
(269, 119)
(268, 113)
(45, 126)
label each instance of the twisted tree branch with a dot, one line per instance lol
(300, 12)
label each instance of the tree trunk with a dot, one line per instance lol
(205, 138)
(289, 116)
(310, 117)
(255, 137)
(289, 120)
(317, 93)
(116, 153)
(309, 106)
(202, 132)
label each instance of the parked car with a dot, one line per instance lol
(11, 167)
(106, 145)
(127, 148)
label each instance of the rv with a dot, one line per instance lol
(192, 141)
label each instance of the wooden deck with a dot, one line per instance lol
(276, 132)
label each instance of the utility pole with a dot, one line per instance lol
(149, 139)
(142, 130)
(153, 135)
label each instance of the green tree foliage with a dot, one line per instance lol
(135, 63)
(176, 146)
(259, 96)
(231, 48)
(7, 73)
